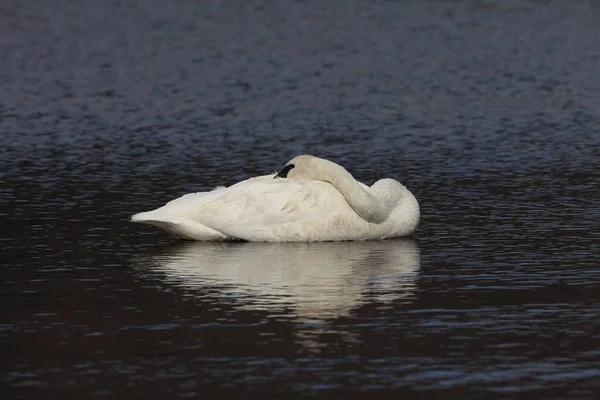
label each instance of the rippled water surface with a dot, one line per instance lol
(489, 111)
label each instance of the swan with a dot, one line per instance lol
(310, 199)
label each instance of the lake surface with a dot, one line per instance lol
(488, 111)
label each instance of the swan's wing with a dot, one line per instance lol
(182, 216)
(190, 205)
(256, 210)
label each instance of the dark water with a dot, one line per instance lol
(489, 111)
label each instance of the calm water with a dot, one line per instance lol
(489, 111)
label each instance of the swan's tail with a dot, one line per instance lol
(179, 226)
(156, 219)
(143, 217)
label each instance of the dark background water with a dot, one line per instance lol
(489, 111)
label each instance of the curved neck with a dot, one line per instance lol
(367, 206)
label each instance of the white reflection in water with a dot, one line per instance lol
(313, 281)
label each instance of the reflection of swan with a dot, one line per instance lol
(314, 280)
(313, 200)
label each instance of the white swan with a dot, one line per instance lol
(311, 199)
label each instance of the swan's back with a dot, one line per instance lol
(258, 209)
(264, 211)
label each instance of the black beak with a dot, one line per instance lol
(284, 172)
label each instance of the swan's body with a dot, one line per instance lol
(311, 199)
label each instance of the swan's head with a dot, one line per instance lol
(310, 167)
(300, 167)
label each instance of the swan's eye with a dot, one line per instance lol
(284, 172)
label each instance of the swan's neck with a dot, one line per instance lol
(367, 206)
